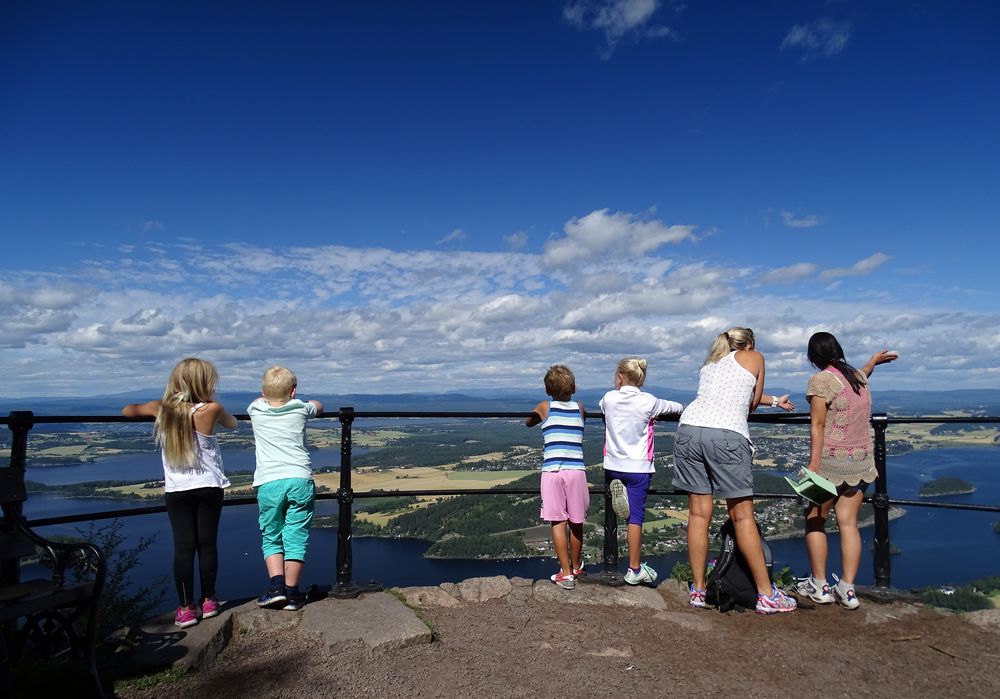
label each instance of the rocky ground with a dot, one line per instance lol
(539, 641)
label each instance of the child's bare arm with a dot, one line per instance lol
(225, 419)
(150, 409)
(538, 414)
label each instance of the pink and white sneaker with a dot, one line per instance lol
(209, 608)
(567, 582)
(697, 597)
(777, 602)
(185, 617)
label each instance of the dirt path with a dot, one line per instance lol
(544, 649)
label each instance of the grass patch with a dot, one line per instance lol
(416, 610)
(145, 682)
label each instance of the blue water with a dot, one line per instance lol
(938, 546)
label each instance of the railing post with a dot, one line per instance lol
(21, 422)
(609, 575)
(345, 586)
(880, 501)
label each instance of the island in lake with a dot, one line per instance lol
(946, 486)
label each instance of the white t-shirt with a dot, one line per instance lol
(279, 435)
(628, 428)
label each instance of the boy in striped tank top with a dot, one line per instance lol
(565, 497)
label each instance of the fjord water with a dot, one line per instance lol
(938, 546)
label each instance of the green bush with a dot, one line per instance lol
(964, 599)
(682, 571)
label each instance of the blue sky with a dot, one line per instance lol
(392, 196)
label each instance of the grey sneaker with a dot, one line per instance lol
(619, 499)
(566, 582)
(645, 575)
(818, 592)
(844, 592)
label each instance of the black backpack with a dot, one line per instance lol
(730, 584)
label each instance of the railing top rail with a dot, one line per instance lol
(764, 418)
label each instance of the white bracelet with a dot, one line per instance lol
(774, 401)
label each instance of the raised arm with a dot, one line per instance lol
(150, 409)
(538, 414)
(883, 357)
(319, 406)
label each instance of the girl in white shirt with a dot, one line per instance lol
(629, 413)
(186, 417)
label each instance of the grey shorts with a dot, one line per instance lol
(708, 460)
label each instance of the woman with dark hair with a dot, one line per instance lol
(841, 451)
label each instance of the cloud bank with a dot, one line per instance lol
(369, 319)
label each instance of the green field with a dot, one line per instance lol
(486, 475)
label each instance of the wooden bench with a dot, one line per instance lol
(46, 617)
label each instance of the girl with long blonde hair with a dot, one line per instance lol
(186, 417)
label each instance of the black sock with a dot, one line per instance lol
(292, 591)
(277, 582)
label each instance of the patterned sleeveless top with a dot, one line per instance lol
(848, 453)
(562, 433)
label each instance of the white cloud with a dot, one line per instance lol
(617, 20)
(457, 234)
(790, 220)
(601, 235)
(516, 241)
(823, 37)
(865, 266)
(789, 274)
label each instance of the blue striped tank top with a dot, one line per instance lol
(562, 433)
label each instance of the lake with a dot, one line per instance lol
(938, 546)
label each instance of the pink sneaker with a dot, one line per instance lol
(696, 596)
(209, 608)
(185, 617)
(777, 602)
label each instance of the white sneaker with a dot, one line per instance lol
(645, 575)
(619, 499)
(844, 592)
(818, 592)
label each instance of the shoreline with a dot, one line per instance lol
(968, 491)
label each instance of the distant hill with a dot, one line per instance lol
(976, 401)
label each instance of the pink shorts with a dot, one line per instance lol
(565, 495)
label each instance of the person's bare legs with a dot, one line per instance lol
(816, 544)
(576, 544)
(634, 545)
(699, 517)
(561, 545)
(748, 540)
(847, 508)
(293, 571)
(275, 564)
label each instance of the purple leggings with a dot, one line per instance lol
(636, 488)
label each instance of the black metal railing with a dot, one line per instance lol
(21, 423)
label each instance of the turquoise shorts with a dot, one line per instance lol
(286, 511)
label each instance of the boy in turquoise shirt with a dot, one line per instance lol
(284, 483)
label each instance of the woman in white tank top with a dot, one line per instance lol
(713, 455)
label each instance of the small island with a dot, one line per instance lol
(946, 486)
